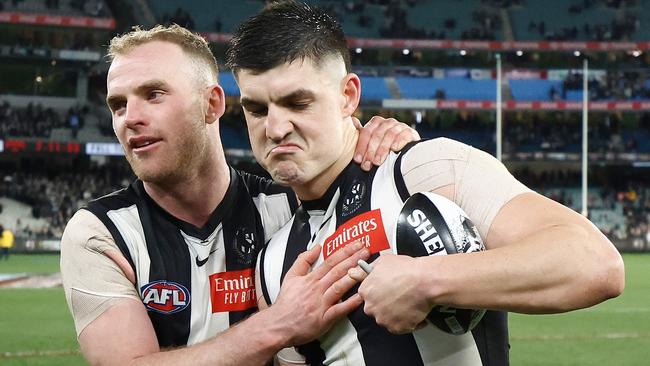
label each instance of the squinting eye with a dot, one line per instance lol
(258, 113)
(117, 108)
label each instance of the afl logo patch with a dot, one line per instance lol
(353, 198)
(245, 245)
(165, 297)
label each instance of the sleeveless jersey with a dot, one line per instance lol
(196, 282)
(364, 206)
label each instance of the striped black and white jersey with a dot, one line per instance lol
(196, 282)
(364, 206)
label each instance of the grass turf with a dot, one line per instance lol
(30, 263)
(616, 332)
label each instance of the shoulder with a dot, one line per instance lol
(86, 231)
(122, 198)
(440, 149)
(257, 185)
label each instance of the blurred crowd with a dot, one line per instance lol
(92, 8)
(57, 194)
(616, 85)
(34, 120)
(622, 212)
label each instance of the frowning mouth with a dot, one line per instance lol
(284, 149)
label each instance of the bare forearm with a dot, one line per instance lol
(251, 342)
(561, 268)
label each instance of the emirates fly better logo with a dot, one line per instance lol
(232, 291)
(367, 227)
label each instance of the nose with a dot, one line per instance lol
(134, 115)
(278, 124)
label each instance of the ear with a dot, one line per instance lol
(351, 94)
(216, 104)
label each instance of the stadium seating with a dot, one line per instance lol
(453, 88)
(93, 8)
(556, 16)
(228, 83)
(533, 89)
(374, 88)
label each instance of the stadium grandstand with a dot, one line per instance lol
(520, 79)
(429, 63)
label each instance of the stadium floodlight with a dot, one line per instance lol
(576, 53)
(463, 52)
(406, 51)
(520, 53)
(358, 50)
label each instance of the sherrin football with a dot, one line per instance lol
(430, 224)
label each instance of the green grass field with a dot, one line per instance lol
(36, 329)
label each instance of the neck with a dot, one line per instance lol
(317, 187)
(194, 197)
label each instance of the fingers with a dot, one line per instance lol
(391, 137)
(375, 140)
(341, 270)
(335, 292)
(357, 274)
(343, 308)
(378, 137)
(421, 325)
(365, 132)
(404, 137)
(303, 263)
(336, 258)
(357, 124)
(405, 329)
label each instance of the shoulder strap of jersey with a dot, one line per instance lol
(100, 208)
(256, 185)
(397, 171)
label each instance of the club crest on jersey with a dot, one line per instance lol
(353, 198)
(245, 245)
(165, 297)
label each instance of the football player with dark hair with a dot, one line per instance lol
(298, 94)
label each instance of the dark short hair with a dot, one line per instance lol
(283, 32)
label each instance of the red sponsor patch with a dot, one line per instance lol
(233, 291)
(367, 227)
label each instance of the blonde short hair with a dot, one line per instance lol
(191, 43)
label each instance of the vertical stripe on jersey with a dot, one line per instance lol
(260, 271)
(125, 219)
(377, 344)
(169, 259)
(398, 176)
(102, 214)
(243, 238)
(300, 236)
(491, 337)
